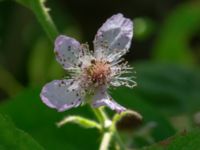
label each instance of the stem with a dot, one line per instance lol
(106, 125)
(109, 130)
(107, 136)
(84, 122)
(100, 114)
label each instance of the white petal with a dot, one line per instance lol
(62, 94)
(67, 51)
(103, 99)
(114, 36)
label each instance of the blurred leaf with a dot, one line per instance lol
(8, 82)
(183, 141)
(173, 42)
(30, 114)
(23, 2)
(12, 138)
(163, 90)
(38, 63)
(42, 64)
(171, 88)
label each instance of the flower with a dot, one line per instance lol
(92, 72)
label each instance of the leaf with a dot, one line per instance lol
(13, 138)
(30, 114)
(40, 64)
(163, 91)
(8, 82)
(173, 42)
(34, 117)
(173, 89)
(184, 141)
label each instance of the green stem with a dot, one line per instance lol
(106, 125)
(84, 122)
(100, 114)
(105, 142)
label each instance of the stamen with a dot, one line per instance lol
(98, 72)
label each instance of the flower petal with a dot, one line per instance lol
(114, 36)
(103, 99)
(62, 94)
(67, 51)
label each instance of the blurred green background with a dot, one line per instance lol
(165, 53)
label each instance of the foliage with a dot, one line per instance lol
(173, 44)
(167, 95)
(181, 141)
(13, 138)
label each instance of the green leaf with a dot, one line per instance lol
(12, 138)
(171, 88)
(183, 141)
(34, 117)
(30, 114)
(173, 42)
(8, 83)
(40, 64)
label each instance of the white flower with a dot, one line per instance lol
(92, 73)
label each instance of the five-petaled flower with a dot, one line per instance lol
(92, 72)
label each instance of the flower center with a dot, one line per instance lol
(98, 72)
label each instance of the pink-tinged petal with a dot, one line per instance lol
(62, 94)
(67, 51)
(103, 99)
(114, 36)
